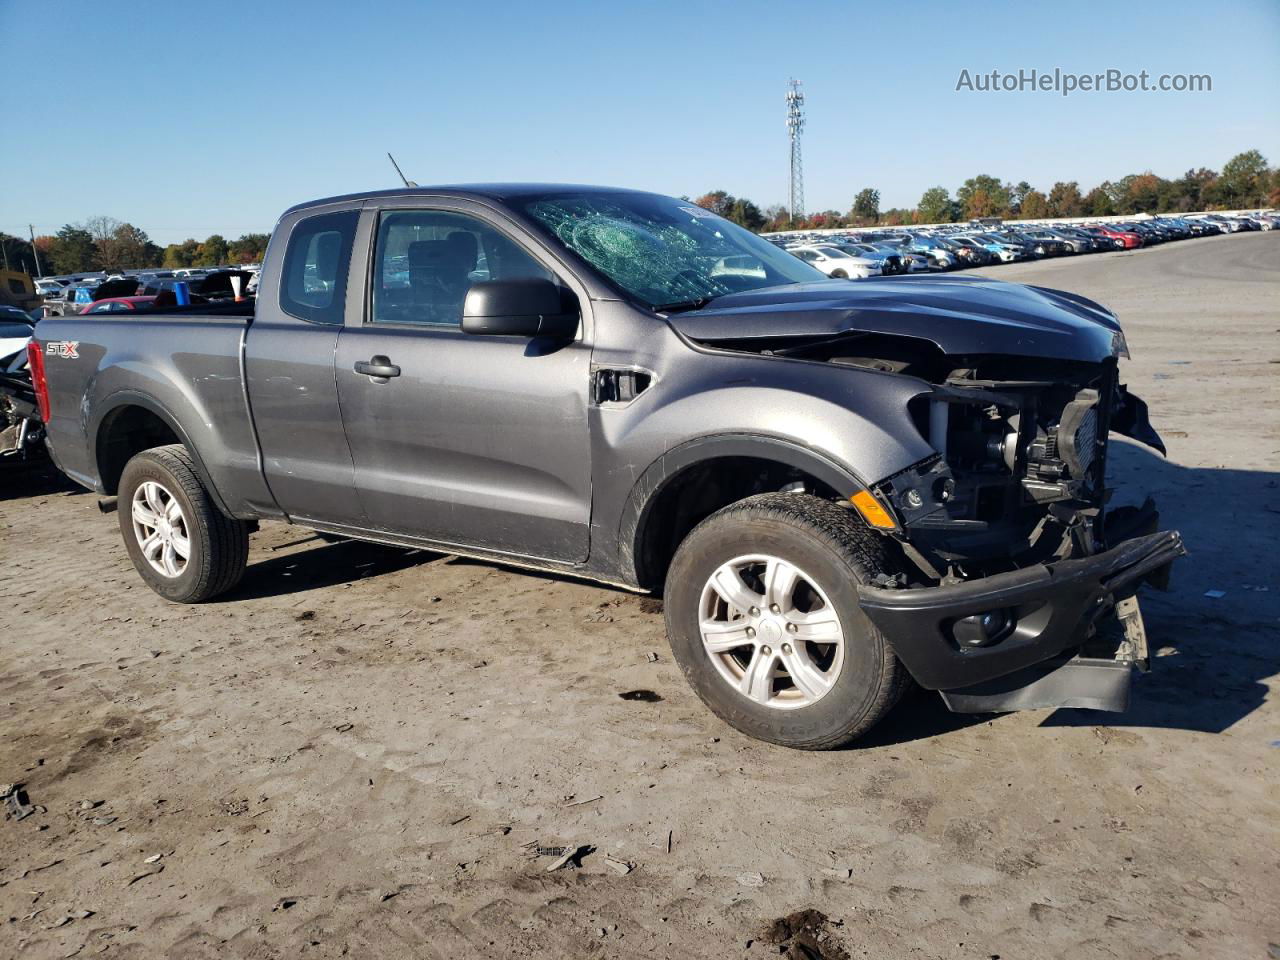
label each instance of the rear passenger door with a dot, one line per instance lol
(478, 441)
(289, 374)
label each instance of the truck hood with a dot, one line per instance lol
(961, 315)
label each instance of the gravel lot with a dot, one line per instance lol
(359, 751)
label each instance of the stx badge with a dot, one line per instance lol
(63, 348)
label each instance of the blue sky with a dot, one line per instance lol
(188, 119)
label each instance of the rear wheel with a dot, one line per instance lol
(183, 546)
(762, 613)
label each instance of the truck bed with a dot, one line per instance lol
(183, 364)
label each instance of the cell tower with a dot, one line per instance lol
(795, 126)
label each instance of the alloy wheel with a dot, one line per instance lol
(161, 529)
(771, 632)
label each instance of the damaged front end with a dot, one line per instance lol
(1026, 594)
(1017, 585)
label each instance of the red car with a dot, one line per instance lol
(119, 304)
(1129, 238)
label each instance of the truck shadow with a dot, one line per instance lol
(1211, 655)
(325, 565)
(34, 478)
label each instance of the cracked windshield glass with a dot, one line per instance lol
(668, 254)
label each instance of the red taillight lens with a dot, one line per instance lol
(35, 360)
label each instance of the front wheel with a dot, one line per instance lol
(763, 617)
(839, 275)
(183, 546)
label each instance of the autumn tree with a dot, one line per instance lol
(984, 196)
(127, 248)
(777, 218)
(1065, 200)
(1035, 206)
(717, 201)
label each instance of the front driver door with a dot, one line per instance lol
(460, 439)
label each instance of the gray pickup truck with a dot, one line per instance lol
(839, 486)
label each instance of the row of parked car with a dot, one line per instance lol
(115, 292)
(982, 243)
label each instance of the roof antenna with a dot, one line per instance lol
(407, 181)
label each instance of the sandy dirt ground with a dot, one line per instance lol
(361, 750)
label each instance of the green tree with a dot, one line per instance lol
(1140, 193)
(211, 253)
(984, 196)
(866, 206)
(1035, 206)
(935, 206)
(746, 214)
(1016, 195)
(1244, 180)
(19, 255)
(1065, 200)
(1097, 203)
(179, 255)
(72, 250)
(248, 248)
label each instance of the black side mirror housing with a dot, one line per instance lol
(519, 307)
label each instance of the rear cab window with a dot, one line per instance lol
(313, 282)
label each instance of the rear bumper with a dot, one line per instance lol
(1051, 607)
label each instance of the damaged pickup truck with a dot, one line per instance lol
(838, 486)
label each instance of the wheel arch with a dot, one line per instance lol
(658, 513)
(130, 423)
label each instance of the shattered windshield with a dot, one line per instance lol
(665, 252)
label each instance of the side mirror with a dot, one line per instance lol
(519, 307)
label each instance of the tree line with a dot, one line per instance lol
(104, 243)
(1245, 181)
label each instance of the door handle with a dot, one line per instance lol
(378, 366)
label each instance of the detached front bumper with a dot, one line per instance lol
(1044, 610)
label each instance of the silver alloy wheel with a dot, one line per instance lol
(161, 529)
(771, 631)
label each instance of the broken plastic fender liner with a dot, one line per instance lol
(871, 510)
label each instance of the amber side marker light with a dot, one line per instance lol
(871, 510)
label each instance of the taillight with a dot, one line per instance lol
(35, 360)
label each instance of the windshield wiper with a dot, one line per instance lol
(679, 306)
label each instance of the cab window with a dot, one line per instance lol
(425, 261)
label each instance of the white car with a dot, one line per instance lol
(15, 330)
(834, 262)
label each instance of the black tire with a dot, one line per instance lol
(838, 552)
(839, 275)
(219, 545)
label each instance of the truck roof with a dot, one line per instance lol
(471, 191)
